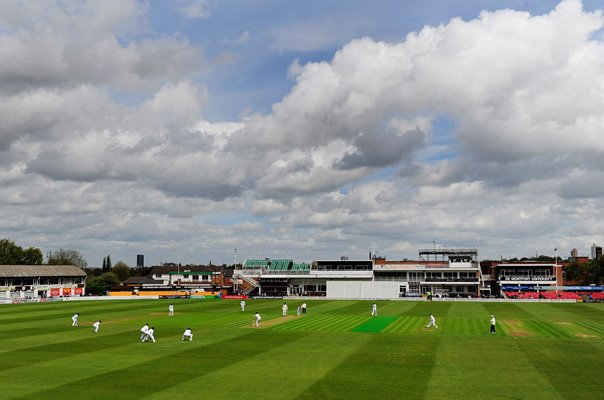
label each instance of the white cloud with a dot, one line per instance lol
(195, 9)
(352, 154)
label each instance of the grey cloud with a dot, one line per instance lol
(582, 185)
(382, 149)
(210, 190)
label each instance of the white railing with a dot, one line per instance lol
(253, 283)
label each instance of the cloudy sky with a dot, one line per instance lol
(186, 129)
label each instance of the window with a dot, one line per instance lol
(195, 277)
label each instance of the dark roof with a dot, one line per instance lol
(29, 271)
(165, 269)
(141, 280)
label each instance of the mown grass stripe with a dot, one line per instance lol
(572, 366)
(375, 324)
(546, 329)
(592, 326)
(400, 369)
(141, 381)
(51, 359)
(405, 325)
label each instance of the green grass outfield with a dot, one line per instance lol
(338, 351)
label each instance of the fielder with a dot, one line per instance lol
(432, 322)
(149, 335)
(304, 308)
(96, 325)
(493, 322)
(74, 319)
(257, 318)
(242, 303)
(144, 331)
(374, 310)
(284, 309)
(171, 310)
(187, 334)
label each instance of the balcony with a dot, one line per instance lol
(527, 278)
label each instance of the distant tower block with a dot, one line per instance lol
(140, 261)
(596, 251)
(574, 253)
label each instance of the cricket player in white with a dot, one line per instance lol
(493, 322)
(188, 334)
(149, 335)
(144, 331)
(74, 319)
(96, 325)
(258, 318)
(432, 322)
(171, 310)
(242, 303)
(374, 310)
(284, 309)
(304, 308)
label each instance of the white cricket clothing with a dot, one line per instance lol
(432, 322)
(284, 308)
(96, 326)
(188, 334)
(144, 331)
(149, 335)
(74, 320)
(374, 310)
(170, 310)
(258, 318)
(242, 303)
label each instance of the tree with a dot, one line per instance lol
(11, 254)
(108, 263)
(104, 264)
(67, 257)
(100, 284)
(32, 256)
(574, 271)
(595, 270)
(122, 271)
(588, 273)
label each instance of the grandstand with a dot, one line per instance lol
(442, 273)
(159, 293)
(301, 267)
(256, 264)
(280, 265)
(556, 295)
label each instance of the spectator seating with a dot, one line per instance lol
(280, 265)
(255, 264)
(300, 267)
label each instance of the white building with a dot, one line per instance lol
(22, 281)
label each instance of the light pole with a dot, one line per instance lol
(235, 279)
